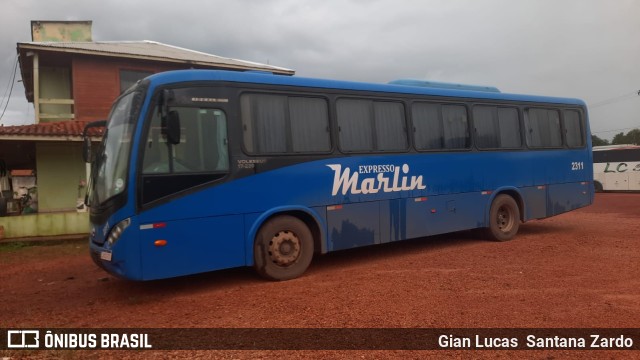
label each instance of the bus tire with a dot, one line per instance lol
(283, 248)
(504, 219)
(597, 185)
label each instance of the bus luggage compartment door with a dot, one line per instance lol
(566, 197)
(617, 181)
(353, 225)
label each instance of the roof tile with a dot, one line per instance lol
(48, 129)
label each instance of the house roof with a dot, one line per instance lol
(151, 50)
(70, 130)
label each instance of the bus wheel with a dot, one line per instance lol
(597, 185)
(283, 248)
(504, 219)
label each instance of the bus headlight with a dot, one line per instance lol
(117, 231)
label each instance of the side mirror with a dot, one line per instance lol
(172, 127)
(86, 146)
(86, 150)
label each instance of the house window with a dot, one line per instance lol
(129, 77)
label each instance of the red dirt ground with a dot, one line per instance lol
(580, 269)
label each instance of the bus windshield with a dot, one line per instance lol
(110, 168)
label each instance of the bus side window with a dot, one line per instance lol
(309, 125)
(427, 126)
(367, 125)
(573, 128)
(280, 124)
(440, 127)
(156, 156)
(354, 124)
(202, 147)
(390, 125)
(496, 127)
(509, 125)
(264, 120)
(543, 128)
(456, 127)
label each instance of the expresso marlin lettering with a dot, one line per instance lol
(345, 181)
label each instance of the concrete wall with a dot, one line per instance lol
(61, 30)
(59, 169)
(45, 224)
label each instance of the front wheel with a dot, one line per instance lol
(504, 219)
(283, 248)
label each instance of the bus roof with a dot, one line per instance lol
(178, 76)
(442, 85)
(615, 147)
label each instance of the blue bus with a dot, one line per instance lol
(201, 170)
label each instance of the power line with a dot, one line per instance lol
(6, 89)
(626, 96)
(623, 97)
(13, 81)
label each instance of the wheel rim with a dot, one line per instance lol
(284, 248)
(504, 219)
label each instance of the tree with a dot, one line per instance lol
(596, 141)
(619, 139)
(633, 137)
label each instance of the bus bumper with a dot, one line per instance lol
(114, 261)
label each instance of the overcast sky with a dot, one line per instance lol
(587, 49)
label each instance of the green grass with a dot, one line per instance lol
(15, 246)
(21, 251)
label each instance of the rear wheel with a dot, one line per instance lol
(504, 219)
(283, 248)
(597, 185)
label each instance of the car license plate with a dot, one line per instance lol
(105, 255)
